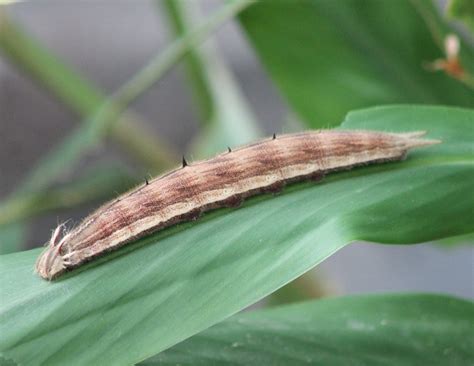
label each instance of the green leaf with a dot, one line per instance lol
(12, 237)
(362, 330)
(467, 239)
(328, 57)
(184, 279)
(463, 10)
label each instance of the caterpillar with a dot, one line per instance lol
(222, 181)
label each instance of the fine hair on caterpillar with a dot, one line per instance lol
(222, 181)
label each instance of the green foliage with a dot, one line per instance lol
(11, 237)
(182, 280)
(463, 10)
(77, 93)
(363, 330)
(328, 57)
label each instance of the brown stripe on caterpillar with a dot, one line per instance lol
(223, 181)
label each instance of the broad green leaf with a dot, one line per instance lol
(363, 330)
(328, 57)
(176, 283)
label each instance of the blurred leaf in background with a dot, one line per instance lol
(328, 57)
(82, 96)
(12, 236)
(98, 182)
(463, 10)
(226, 117)
(361, 330)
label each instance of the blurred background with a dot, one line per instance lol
(104, 44)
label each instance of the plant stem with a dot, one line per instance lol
(230, 121)
(165, 60)
(96, 185)
(195, 70)
(93, 129)
(80, 94)
(438, 32)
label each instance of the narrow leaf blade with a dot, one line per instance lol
(399, 329)
(171, 285)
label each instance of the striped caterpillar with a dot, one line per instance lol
(223, 181)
